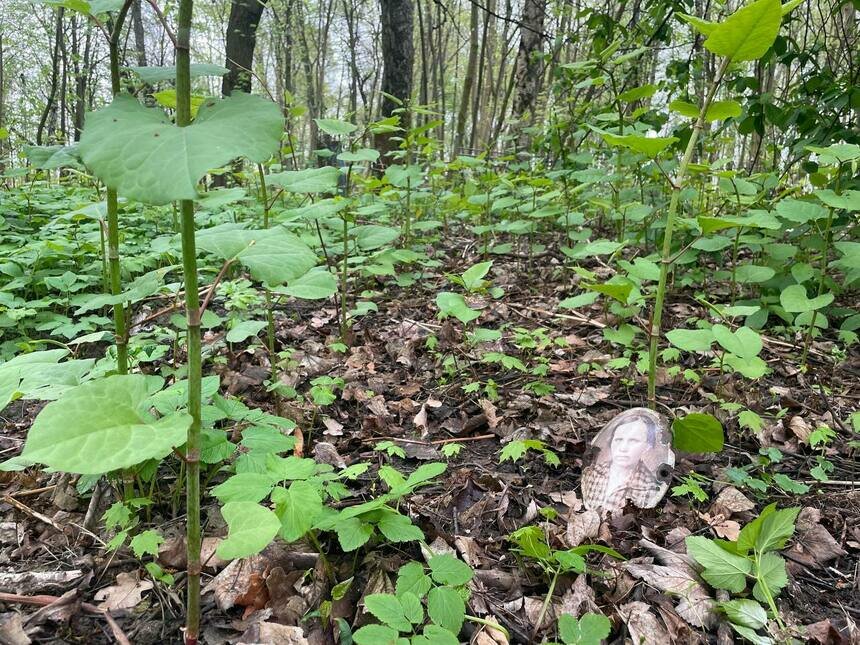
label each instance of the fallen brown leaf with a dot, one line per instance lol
(125, 594)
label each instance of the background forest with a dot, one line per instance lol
(311, 314)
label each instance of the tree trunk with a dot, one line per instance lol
(139, 35)
(468, 81)
(241, 40)
(398, 54)
(529, 65)
(55, 72)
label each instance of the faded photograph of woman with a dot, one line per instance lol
(633, 451)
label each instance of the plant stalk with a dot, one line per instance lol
(192, 311)
(677, 186)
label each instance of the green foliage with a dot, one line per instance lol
(697, 432)
(588, 629)
(517, 449)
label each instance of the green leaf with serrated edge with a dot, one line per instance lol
(745, 612)
(722, 570)
(691, 340)
(648, 146)
(776, 529)
(794, 299)
(770, 575)
(743, 342)
(251, 529)
(411, 578)
(446, 608)
(271, 255)
(375, 635)
(800, 211)
(316, 284)
(473, 277)
(244, 330)
(590, 629)
(138, 152)
(352, 533)
(684, 108)
(697, 432)
(719, 110)
(748, 33)
(749, 533)
(153, 75)
(388, 610)
(244, 487)
(308, 181)
(99, 426)
(531, 541)
(752, 368)
(412, 608)
(297, 507)
(751, 635)
(335, 127)
(398, 528)
(291, 467)
(360, 155)
(435, 635)
(146, 543)
(448, 570)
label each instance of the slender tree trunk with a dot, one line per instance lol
(139, 34)
(398, 54)
(50, 104)
(241, 40)
(468, 81)
(529, 66)
(476, 102)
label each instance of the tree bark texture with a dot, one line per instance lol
(398, 55)
(529, 66)
(241, 40)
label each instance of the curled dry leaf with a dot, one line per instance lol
(12, 630)
(489, 410)
(800, 428)
(489, 636)
(695, 605)
(644, 627)
(125, 594)
(814, 541)
(731, 501)
(582, 527)
(579, 599)
(568, 498)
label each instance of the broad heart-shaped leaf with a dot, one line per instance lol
(684, 108)
(251, 528)
(137, 150)
(704, 27)
(362, 154)
(753, 273)
(309, 180)
(453, 304)
(435, 635)
(847, 199)
(743, 342)
(691, 340)
(388, 610)
(352, 533)
(99, 426)
(745, 612)
(52, 157)
(648, 146)
(335, 127)
(748, 33)
(153, 75)
(373, 236)
(616, 291)
(770, 575)
(473, 277)
(448, 570)
(697, 432)
(298, 507)
(794, 299)
(800, 211)
(244, 330)
(244, 487)
(719, 110)
(590, 629)
(39, 375)
(398, 528)
(271, 255)
(723, 570)
(316, 284)
(446, 608)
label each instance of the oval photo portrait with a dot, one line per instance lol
(632, 463)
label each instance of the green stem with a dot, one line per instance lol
(491, 624)
(545, 605)
(677, 186)
(192, 312)
(270, 318)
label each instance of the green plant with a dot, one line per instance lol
(753, 557)
(442, 591)
(588, 629)
(516, 450)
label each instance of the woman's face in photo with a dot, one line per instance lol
(629, 442)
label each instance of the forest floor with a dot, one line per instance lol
(397, 388)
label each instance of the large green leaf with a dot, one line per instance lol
(691, 340)
(271, 255)
(590, 629)
(140, 153)
(722, 570)
(153, 75)
(52, 157)
(648, 146)
(39, 375)
(309, 180)
(771, 575)
(388, 610)
(100, 426)
(745, 612)
(251, 528)
(316, 284)
(748, 33)
(298, 507)
(446, 608)
(453, 304)
(448, 570)
(244, 487)
(794, 299)
(743, 342)
(93, 8)
(697, 432)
